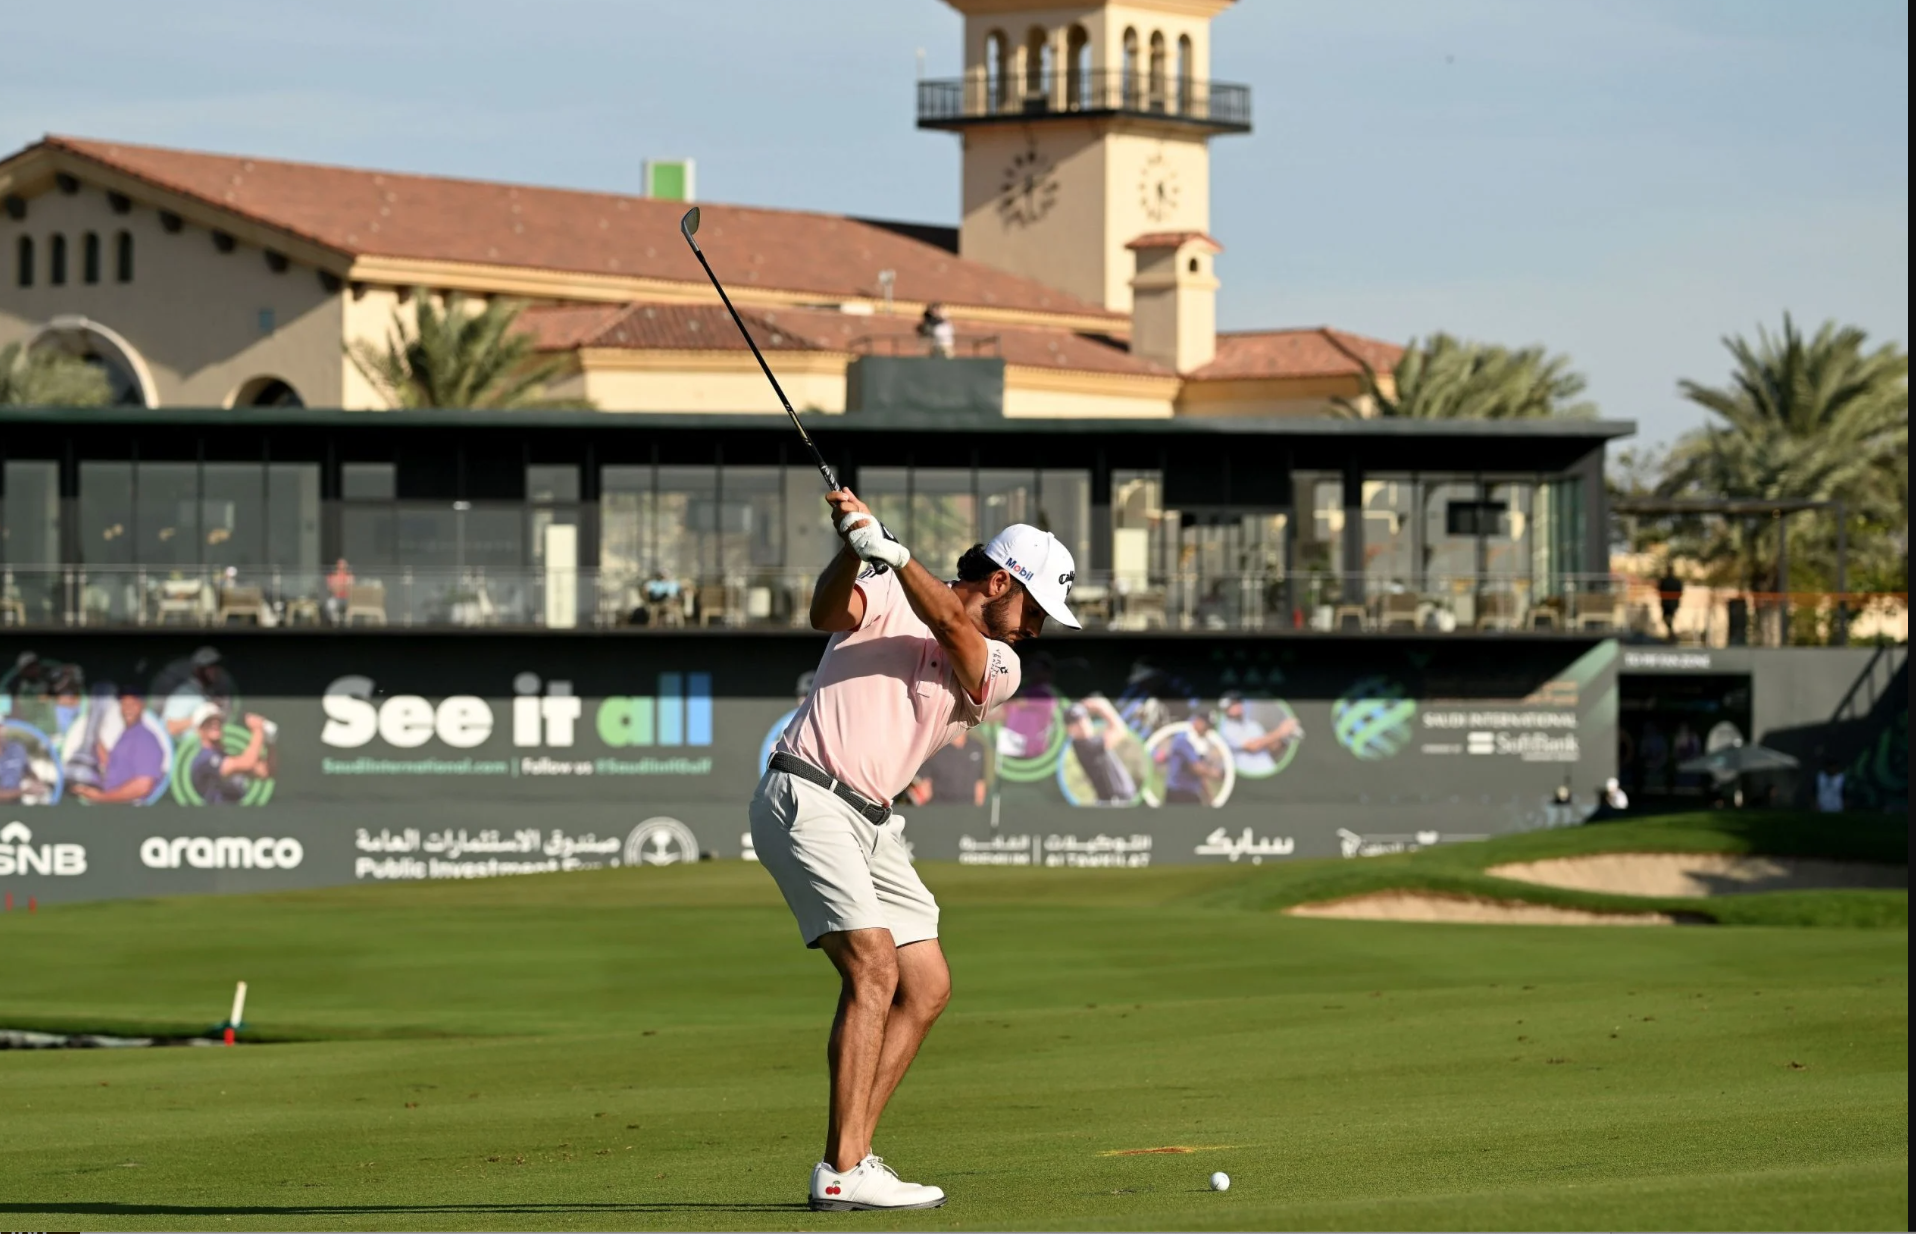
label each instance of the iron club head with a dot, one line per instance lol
(690, 223)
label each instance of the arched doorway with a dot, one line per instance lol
(126, 372)
(266, 392)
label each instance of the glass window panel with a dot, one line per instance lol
(426, 537)
(556, 484)
(1507, 554)
(1137, 528)
(233, 514)
(625, 521)
(885, 490)
(751, 526)
(166, 499)
(685, 542)
(810, 541)
(30, 523)
(1064, 510)
(106, 513)
(490, 537)
(1390, 515)
(944, 517)
(1449, 560)
(292, 516)
(1320, 526)
(369, 537)
(369, 481)
(1005, 497)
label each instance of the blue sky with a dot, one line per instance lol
(1624, 181)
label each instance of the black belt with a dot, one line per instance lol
(792, 765)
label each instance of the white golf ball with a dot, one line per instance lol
(1220, 1181)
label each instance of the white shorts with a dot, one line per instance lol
(837, 870)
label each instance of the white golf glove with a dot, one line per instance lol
(872, 542)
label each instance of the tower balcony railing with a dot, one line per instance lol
(955, 102)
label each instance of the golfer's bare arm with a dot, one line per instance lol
(939, 607)
(837, 604)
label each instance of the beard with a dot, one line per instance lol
(998, 622)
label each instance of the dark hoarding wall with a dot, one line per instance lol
(229, 761)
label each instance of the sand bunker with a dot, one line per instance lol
(1435, 906)
(1699, 874)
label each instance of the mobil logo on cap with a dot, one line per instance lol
(1024, 572)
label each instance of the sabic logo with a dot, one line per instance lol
(221, 853)
(18, 855)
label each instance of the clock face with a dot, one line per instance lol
(1029, 189)
(1158, 189)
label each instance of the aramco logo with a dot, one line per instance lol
(1372, 718)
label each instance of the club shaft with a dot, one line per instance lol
(824, 468)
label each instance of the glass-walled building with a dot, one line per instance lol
(572, 520)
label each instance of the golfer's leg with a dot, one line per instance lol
(867, 963)
(924, 987)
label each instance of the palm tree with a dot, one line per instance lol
(49, 377)
(1448, 379)
(459, 358)
(1824, 418)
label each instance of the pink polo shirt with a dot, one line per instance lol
(886, 697)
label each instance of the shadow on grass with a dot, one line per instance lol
(350, 1210)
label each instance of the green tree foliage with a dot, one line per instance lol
(49, 377)
(455, 357)
(1449, 379)
(1817, 418)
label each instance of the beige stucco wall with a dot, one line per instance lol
(705, 381)
(191, 312)
(1291, 396)
(1039, 393)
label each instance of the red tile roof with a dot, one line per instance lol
(1171, 240)
(371, 213)
(699, 327)
(1317, 352)
(662, 327)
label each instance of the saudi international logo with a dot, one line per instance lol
(1372, 718)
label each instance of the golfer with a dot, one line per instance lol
(912, 661)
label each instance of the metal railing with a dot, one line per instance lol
(135, 597)
(953, 101)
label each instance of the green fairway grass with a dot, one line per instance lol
(643, 1048)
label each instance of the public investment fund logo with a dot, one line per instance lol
(1372, 719)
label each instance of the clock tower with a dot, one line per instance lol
(1085, 126)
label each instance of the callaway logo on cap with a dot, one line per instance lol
(1042, 563)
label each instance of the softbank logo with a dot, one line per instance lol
(679, 714)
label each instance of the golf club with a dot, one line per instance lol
(687, 227)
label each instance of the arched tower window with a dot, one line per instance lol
(1077, 69)
(123, 257)
(23, 261)
(57, 260)
(90, 258)
(997, 48)
(1037, 69)
(1128, 74)
(1157, 70)
(1185, 70)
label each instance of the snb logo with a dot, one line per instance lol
(19, 856)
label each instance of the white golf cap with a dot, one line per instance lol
(1041, 562)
